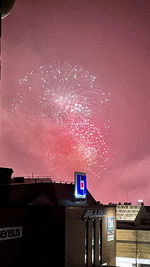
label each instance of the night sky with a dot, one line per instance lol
(107, 43)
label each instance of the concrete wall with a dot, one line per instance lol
(75, 238)
(109, 247)
(54, 236)
(42, 240)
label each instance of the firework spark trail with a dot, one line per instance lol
(68, 99)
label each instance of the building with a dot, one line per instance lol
(133, 235)
(44, 223)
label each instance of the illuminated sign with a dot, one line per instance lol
(10, 233)
(90, 214)
(110, 228)
(80, 185)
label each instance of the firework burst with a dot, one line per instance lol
(66, 111)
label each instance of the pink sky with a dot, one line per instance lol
(109, 38)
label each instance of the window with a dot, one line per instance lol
(86, 243)
(93, 243)
(100, 242)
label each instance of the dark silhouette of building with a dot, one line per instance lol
(42, 224)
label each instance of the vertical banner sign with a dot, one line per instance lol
(80, 185)
(110, 228)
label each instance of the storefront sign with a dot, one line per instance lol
(10, 233)
(94, 213)
(110, 228)
(80, 185)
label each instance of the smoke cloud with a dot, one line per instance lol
(111, 40)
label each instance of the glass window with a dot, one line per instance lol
(86, 242)
(93, 242)
(100, 241)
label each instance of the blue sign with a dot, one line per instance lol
(80, 185)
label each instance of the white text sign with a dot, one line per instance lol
(7, 233)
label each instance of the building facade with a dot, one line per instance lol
(43, 224)
(133, 236)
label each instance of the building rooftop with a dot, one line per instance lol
(23, 191)
(127, 212)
